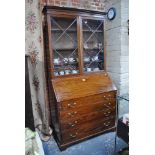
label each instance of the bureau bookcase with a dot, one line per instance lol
(82, 96)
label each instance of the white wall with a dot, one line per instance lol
(116, 43)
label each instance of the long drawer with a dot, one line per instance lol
(107, 98)
(74, 122)
(87, 129)
(71, 114)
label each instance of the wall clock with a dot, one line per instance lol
(111, 13)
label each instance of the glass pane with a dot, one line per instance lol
(93, 45)
(64, 44)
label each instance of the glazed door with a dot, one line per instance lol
(64, 46)
(93, 43)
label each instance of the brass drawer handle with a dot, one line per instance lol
(107, 113)
(71, 104)
(84, 80)
(72, 125)
(107, 124)
(72, 113)
(73, 136)
(108, 105)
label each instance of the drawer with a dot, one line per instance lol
(73, 123)
(107, 98)
(87, 129)
(101, 107)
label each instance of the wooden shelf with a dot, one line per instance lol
(92, 61)
(92, 48)
(98, 31)
(73, 30)
(72, 49)
(93, 71)
(63, 69)
(65, 49)
(66, 64)
(69, 30)
(75, 63)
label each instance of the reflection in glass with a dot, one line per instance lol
(93, 45)
(64, 43)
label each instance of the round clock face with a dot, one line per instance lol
(111, 13)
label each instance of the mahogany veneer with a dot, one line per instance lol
(86, 106)
(82, 105)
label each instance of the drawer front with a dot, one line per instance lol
(74, 122)
(107, 98)
(102, 107)
(87, 129)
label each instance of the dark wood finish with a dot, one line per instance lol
(82, 86)
(50, 46)
(70, 14)
(82, 105)
(104, 44)
(87, 111)
(63, 146)
(70, 114)
(93, 116)
(80, 49)
(102, 99)
(48, 9)
(87, 129)
(123, 131)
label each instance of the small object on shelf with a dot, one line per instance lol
(56, 73)
(61, 73)
(86, 59)
(101, 56)
(85, 46)
(65, 60)
(96, 69)
(67, 72)
(71, 59)
(74, 71)
(88, 69)
(85, 21)
(95, 58)
(96, 45)
(99, 45)
(90, 44)
(56, 61)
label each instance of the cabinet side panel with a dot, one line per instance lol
(52, 101)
